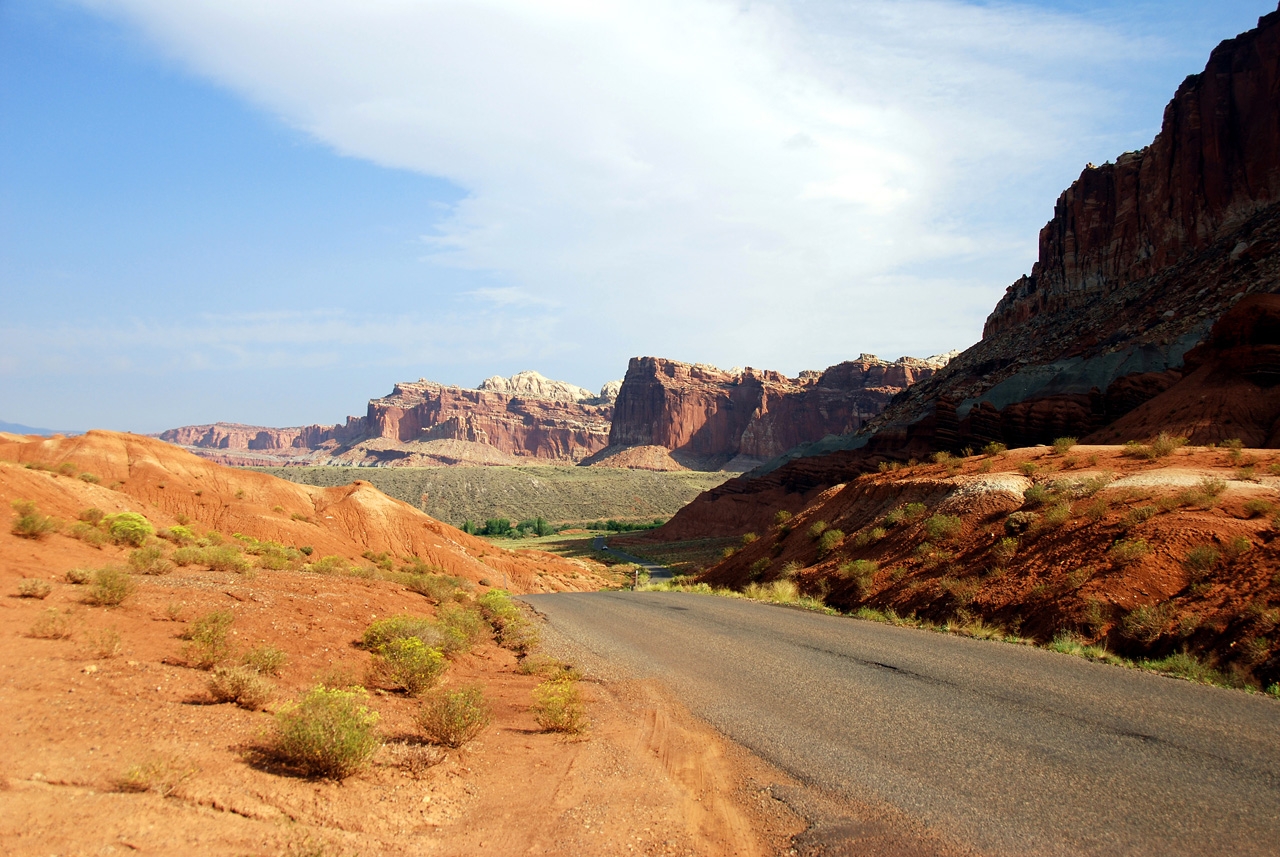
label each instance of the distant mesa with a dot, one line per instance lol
(664, 415)
(20, 430)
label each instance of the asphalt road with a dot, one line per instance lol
(655, 571)
(1007, 749)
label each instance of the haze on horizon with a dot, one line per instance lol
(267, 213)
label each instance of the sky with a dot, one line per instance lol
(270, 212)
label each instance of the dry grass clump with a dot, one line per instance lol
(266, 659)
(454, 717)
(243, 685)
(942, 528)
(150, 560)
(329, 732)
(1162, 446)
(1145, 624)
(103, 643)
(558, 707)
(30, 524)
(1201, 560)
(161, 775)
(1128, 551)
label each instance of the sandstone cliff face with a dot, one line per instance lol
(699, 410)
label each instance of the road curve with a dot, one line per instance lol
(1008, 749)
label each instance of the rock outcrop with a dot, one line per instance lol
(1125, 325)
(708, 417)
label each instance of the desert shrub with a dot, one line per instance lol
(1212, 486)
(79, 576)
(781, 516)
(1097, 509)
(278, 558)
(110, 587)
(1146, 623)
(129, 528)
(1005, 549)
(817, 528)
(30, 524)
(208, 643)
(1029, 468)
(790, 569)
(1127, 551)
(1056, 515)
(759, 567)
(942, 528)
(52, 625)
(1138, 515)
(862, 572)
(88, 533)
(994, 448)
(513, 630)
(161, 775)
(437, 587)
(941, 457)
(34, 587)
(330, 732)
(1037, 495)
(1162, 446)
(1256, 507)
(914, 511)
(408, 663)
(92, 515)
(329, 565)
(266, 659)
(225, 558)
(1063, 445)
(150, 560)
(1201, 560)
(460, 627)
(1020, 522)
(1235, 548)
(393, 628)
(103, 643)
(454, 717)
(243, 685)
(748, 538)
(558, 707)
(894, 517)
(178, 534)
(91, 478)
(188, 556)
(828, 541)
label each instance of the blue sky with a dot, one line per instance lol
(268, 213)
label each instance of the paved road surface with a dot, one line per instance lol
(1009, 749)
(656, 572)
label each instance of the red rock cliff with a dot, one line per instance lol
(1215, 162)
(703, 411)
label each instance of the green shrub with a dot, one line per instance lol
(52, 625)
(129, 528)
(30, 524)
(1097, 510)
(1056, 515)
(894, 517)
(110, 587)
(1138, 515)
(243, 685)
(92, 515)
(88, 533)
(454, 717)
(1236, 548)
(208, 642)
(150, 560)
(829, 540)
(1201, 560)
(34, 587)
(188, 556)
(558, 707)
(817, 528)
(994, 448)
(1019, 522)
(328, 733)
(408, 663)
(1037, 495)
(942, 528)
(915, 511)
(266, 659)
(513, 630)
(790, 569)
(759, 567)
(1127, 551)
(781, 516)
(1063, 445)
(1162, 446)
(79, 576)
(862, 572)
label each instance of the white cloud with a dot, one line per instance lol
(739, 178)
